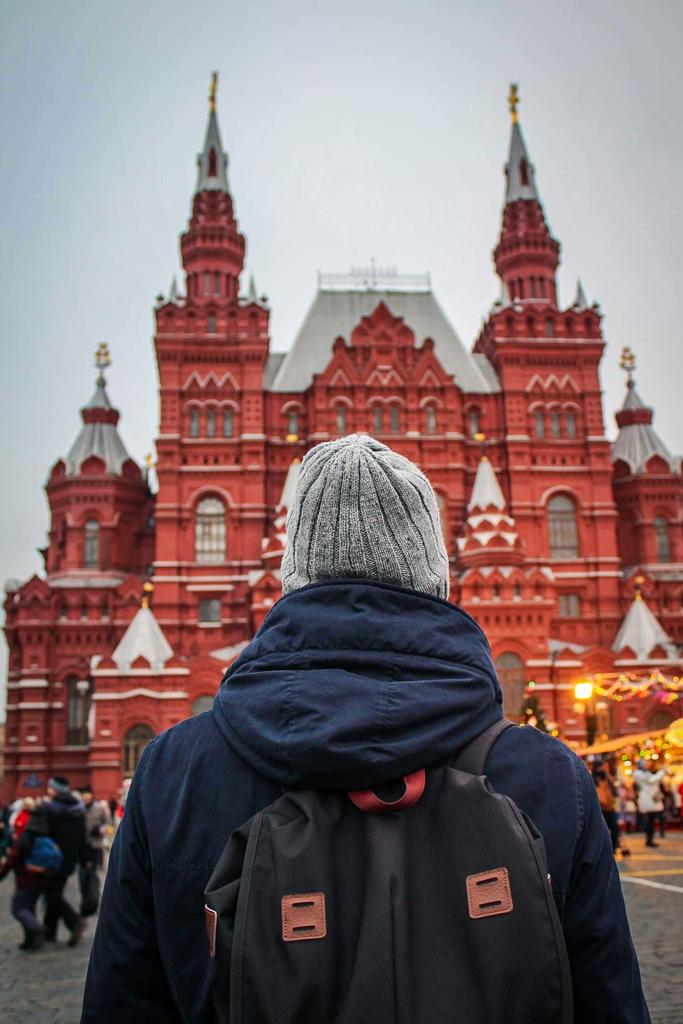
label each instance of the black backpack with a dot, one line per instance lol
(435, 907)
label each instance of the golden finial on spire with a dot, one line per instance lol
(638, 595)
(102, 360)
(513, 101)
(212, 92)
(147, 589)
(628, 363)
(149, 460)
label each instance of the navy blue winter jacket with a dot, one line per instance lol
(346, 685)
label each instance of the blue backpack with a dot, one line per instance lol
(45, 856)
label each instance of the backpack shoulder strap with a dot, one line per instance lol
(472, 758)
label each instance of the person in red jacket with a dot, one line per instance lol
(29, 884)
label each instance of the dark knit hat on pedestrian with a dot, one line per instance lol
(361, 511)
(60, 785)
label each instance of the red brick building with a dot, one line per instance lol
(567, 549)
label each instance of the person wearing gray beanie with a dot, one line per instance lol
(362, 511)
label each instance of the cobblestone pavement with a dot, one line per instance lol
(46, 987)
(655, 909)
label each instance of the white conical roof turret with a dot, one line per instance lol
(99, 435)
(641, 631)
(637, 440)
(144, 637)
(486, 492)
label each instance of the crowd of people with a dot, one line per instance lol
(642, 802)
(43, 842)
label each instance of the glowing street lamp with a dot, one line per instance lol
(584, 693)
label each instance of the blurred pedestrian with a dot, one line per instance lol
(66, 822)
(35, 859)
(648, 777)
(21, 819)
(96, 820)
(607, 797)
(628, 805)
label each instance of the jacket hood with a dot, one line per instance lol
(67, 806)
(352, 683)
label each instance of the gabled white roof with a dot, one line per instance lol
(642, 631)
(334, 313)
(145, 637)
(486, 492)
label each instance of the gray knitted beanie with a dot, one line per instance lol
(362, 511)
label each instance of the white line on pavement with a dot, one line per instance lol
(655, 885)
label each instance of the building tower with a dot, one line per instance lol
(100, 546)
(558, 463)
(211, 348)
(648, 491)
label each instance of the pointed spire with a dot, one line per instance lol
(580, 302)
(526, 256)
(486, 492)
(212, 162)
(173, 291)
(252, 296)
(641, 631)
(519, 170)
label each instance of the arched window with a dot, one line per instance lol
(539, 423)
(211, 323)
(228, 423)
(210, 532)
(562, 530)
(341, 419)
(549, 328)
(541, 286)
(85, 610)
(394, 419)
(473, 422)
(91, 554)
(207, 282)
(211, 423)
(378, 419)
(510, 669)
(292, 425)
(134, 742)
(213, 163)
(77, 707)
(663, 544)
(202, 704)
(194, 422)
(216, 283)
(555, 423)
(431, 419)
(571, 424)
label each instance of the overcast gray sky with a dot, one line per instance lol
(354, 130)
